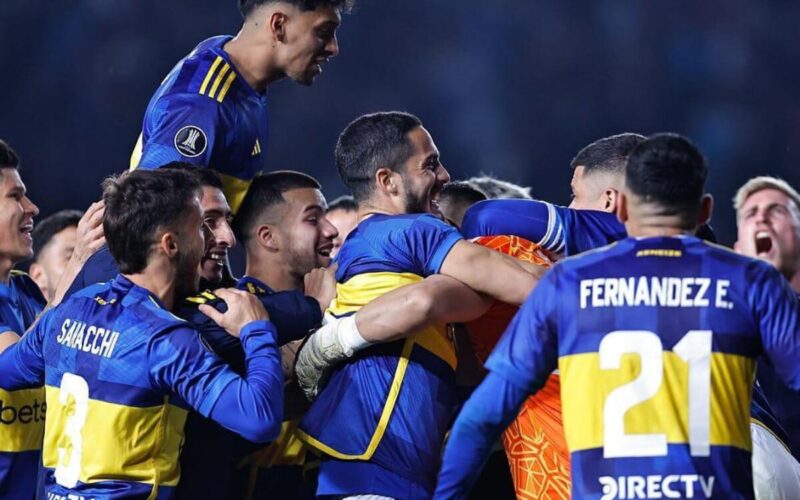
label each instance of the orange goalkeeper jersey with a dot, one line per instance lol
(534, 442)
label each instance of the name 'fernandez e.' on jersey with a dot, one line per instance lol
(656, 341)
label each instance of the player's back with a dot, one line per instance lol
(112, 429)
(657, 340)
(205, 113)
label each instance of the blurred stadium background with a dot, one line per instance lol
(509, 87)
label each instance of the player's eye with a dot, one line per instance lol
(779, 210)
(313, 220)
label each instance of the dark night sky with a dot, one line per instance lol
(512, 87)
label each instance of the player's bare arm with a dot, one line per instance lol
(492, 273)
(7, 339)
(436, 299)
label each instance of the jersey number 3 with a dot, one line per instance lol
(73, 387)
(695, 349)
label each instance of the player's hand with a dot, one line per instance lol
(243, 308)
(90, 236)
(320, 283)
(318, 354)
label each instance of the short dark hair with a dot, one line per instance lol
(246, 7)
(50, 226)
(495, 188)
(205, 175)
(265, 192)
(8, 157)
(669, 170)
(140, 204)
(371, 142)
(345, 202)
(609, 154)
(461, 192)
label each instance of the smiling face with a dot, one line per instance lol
(769, 229)
(16, 218)
(309, 41)
(190, 236)
(305, 235)
(218, 233)
(423, 175)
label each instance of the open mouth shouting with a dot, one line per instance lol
(763, 243)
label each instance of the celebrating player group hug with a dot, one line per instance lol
(627, 356)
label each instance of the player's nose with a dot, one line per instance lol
(30, 207)
(332, 47)
(442, 175)
(329, 231)
(224, 236)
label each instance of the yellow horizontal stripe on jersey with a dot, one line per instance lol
(352, 296)
(585, 388)
(22, 419)
(363, 288)
(224, 91)
(220, 75)
(120, 442)
(234, 189)
(210, 73)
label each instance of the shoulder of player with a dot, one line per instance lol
(392, 225)
(26, 286)
(590, 257)
(204, 77)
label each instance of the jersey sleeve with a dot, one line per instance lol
(22, 364)
(184, 127)
(99, 268)
(530, 219)
(528, 350)
(426, 242)
(251, 406)
(558, 229)
(777, 311)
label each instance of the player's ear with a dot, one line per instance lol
(610, 196)
(706, 208)
(621, 208)
(277, 24)
(267, 237)
(386, 181)
(169, 244)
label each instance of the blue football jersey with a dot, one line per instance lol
(120, 372)
(656, 341)
(382, 417)
(205, 113)
(559, 229)
(210, 448)
(21, 412)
